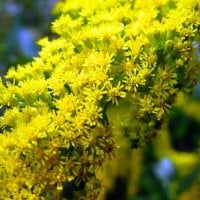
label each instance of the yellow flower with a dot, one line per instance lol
(114, 93)
(133, 80)
(58, 122)
(93, 114)
(67, 104)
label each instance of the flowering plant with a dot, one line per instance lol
(56, 126)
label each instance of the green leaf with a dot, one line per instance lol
(189, 179)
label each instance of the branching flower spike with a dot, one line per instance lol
(55, 125)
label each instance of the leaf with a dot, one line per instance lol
(189, 179)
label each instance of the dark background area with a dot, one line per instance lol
(22, 22)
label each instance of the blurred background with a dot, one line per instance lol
(22, 22)
(169, 168)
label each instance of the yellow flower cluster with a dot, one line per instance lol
(55, 127)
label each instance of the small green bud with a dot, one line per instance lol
(169, 45)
